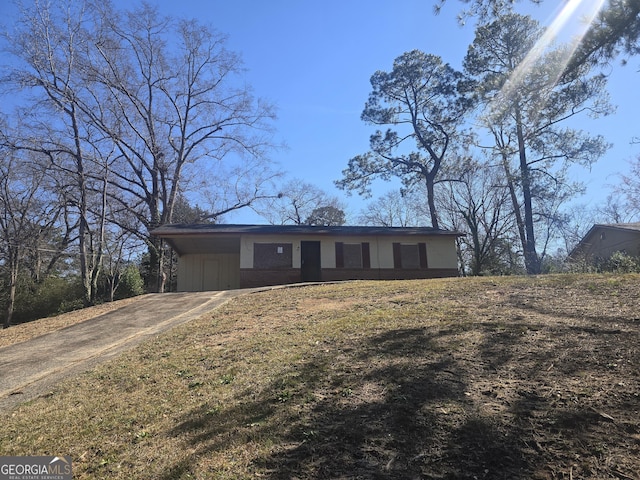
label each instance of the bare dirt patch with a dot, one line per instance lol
(314, 305)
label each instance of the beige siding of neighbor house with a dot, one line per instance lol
(604, 242)
(208, 272)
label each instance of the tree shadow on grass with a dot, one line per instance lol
(605, 313)
(397, 405)
(565, 383)
(394, 408)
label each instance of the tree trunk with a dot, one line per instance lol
(84, 232)
(431, 200)
(13, 281)
(476, 262)
(463, 270)
(156, 279)
(512, 191)
(531, 260)
(84, 262)
(112, 281)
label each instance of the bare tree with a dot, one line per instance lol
(137, 109)
(396, 208)
(616, 210)
(120, 248)
(25, 216)
(295, 203)
(54, 46)
(629, 189)
(480, 200)
(172, 109)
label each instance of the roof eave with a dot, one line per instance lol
(176, 230)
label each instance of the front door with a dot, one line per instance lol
(310, 261)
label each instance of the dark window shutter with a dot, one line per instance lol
(366, 255)
(339, 255)
(422, 250)
(397, 257)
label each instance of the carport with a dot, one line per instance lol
(206, 262)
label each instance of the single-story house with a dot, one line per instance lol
(603, 240)
(222, 257)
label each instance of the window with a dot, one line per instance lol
(410, 256)
(352, 255)
(272, 255)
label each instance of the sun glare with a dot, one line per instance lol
(568, 26)
(572, 22)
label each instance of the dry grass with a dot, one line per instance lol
(513, 378)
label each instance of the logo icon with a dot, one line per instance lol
(35, 468)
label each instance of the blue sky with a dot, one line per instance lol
(313, 60)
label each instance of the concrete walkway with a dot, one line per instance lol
(32, 368)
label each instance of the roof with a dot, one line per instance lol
(173, 230)
(635, 227)
(202, 238)
(618, 226)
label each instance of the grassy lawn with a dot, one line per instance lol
(496, 378)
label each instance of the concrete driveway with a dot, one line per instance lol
(32, 368)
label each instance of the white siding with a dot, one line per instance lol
(441, 252)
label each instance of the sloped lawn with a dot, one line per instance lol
(496, 378)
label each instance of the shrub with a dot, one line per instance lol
(52, 296)
(131, 283)
(619, 262)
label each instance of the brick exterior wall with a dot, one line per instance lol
(250, 278)
(333, 274)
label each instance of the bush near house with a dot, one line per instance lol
(52, 296)
(60, 294)
(619, 262)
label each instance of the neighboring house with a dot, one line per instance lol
(221, 257)
(601, 241)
